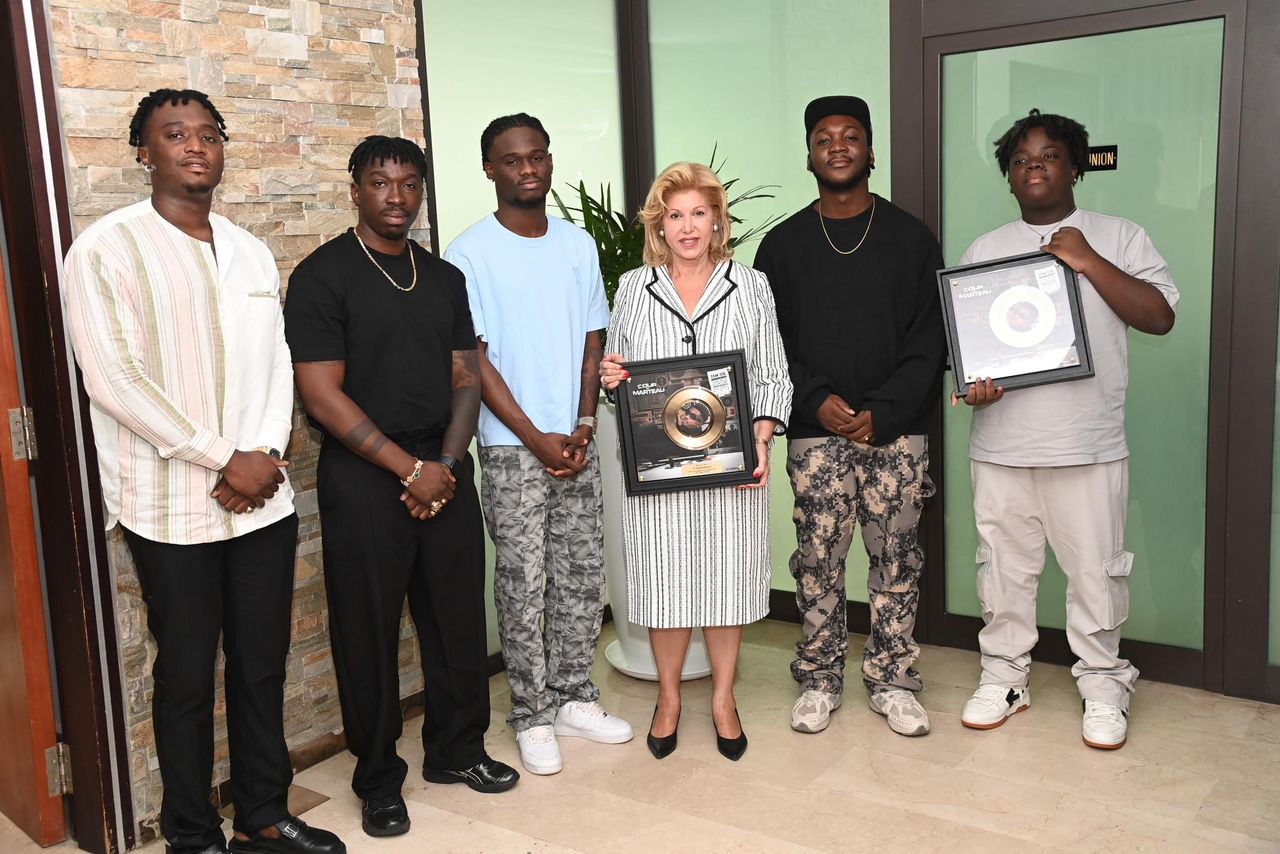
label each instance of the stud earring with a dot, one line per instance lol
(148, 168)
(661, 233)
(715, 226)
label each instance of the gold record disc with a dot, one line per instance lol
(694, 418)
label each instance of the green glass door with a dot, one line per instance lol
(1153, 93)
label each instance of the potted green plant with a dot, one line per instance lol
(620, 238)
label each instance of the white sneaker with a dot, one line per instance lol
(539, 751)
(992, 705)
(906, 715)
(1105, 726)
(812, 712)
(592, 722)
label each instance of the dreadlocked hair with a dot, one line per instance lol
(1060, 129)
(499, 126)
(376, 149)
(160, 97)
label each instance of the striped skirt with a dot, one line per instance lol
(698, 558)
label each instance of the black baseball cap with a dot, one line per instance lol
(836, 105)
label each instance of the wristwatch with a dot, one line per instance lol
(448, 462)
(587, 421)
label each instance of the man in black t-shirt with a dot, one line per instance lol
(385, 358)
(854, 280)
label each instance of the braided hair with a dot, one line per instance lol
(380, 148)
(160, 97)
(1060, 129)
(501, 125)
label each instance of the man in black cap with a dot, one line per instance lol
(853, 276)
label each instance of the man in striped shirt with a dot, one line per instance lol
(175, 321)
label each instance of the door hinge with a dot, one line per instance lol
(22, 430)
(57, 763)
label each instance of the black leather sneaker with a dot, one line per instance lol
(488, 775)
(385, 816)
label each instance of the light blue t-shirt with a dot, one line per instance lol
(533, 301)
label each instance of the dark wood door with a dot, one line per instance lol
(26, 693)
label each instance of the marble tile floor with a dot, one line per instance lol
(1201, 773)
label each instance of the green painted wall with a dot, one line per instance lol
(486, 60)
(737, 74)
(1155, 94)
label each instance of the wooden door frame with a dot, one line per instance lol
(78, 580)
(1245, 303)
(26, 703)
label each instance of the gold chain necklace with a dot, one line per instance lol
(822, 221)
(413, 265)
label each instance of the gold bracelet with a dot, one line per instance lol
(413, 475)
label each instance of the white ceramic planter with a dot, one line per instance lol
(630, 653)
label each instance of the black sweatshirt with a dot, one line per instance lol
(866, 326)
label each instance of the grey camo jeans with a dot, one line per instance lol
(548, 580)
(839, 483)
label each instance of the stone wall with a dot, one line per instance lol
(300, 83)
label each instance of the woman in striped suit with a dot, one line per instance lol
(698, 558)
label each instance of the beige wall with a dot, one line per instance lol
(299, 83)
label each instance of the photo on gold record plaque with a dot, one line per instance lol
(685, 423)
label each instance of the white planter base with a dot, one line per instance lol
(630, 653)
(645, 668)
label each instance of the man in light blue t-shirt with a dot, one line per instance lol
(538, 305)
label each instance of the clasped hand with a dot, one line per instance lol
(562, 455)
(248, 480)
(840, 418)
(425, 497)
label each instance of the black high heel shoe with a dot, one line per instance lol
(731, 748)
(665, 746)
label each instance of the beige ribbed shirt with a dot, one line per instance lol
(184, 358)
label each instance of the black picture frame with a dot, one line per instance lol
(685, 423)
(1017, 320)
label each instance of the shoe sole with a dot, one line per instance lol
(574, 732)
(543, 771)
(485, 789)
(1098, 746)
(800, 727)
(810, 730)
(922, 729)
(998, 723)
(381, 834)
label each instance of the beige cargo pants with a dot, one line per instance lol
(1079, 511)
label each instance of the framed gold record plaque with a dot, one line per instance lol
(685, 423)
(1016, 320)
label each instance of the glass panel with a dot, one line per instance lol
(559, 64)
(735, 75)
(1155, 94)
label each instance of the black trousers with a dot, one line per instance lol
(376, 555)
(241, 588)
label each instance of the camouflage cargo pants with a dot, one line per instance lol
(548, 580)
(838, 483)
